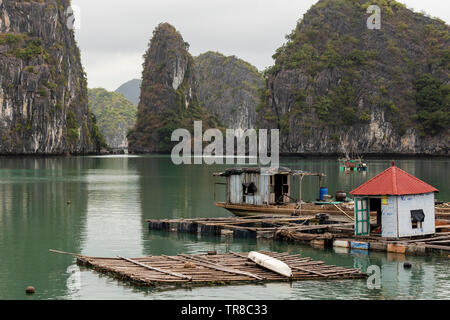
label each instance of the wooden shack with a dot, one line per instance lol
(250, 189)
(404, 205)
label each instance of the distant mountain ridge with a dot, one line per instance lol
(131, 90)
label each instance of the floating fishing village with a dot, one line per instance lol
(210, 150)
(392, 212)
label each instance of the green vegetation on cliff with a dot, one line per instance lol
(228, 88)
(335, 74)
(115, 115)
(433, 99)
(42, 82)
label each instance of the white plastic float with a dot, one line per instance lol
(270, 263)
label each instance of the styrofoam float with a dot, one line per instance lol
(341, 244)
(270, 263)
(359, 245)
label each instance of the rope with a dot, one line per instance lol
(344, 212)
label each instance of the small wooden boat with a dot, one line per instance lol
(352, 163)
(270, 263)
(256, 191)
(290, 209)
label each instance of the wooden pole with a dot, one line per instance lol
(175, 274)
(310, 271)
(66, 253)
(344, 212)
(300, 192)
(218, 267)
(214, 189)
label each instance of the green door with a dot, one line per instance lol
(362, 217)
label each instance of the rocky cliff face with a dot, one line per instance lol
(115, 116)
(43, 93)
(337, 86)
(168, 99)
(228, 88)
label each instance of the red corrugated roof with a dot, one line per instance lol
(393, 181)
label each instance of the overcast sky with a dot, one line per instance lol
(114, 34)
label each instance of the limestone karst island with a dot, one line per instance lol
(198, 150)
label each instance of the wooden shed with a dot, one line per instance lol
(250, 189)
(404, 205)
(251, 186)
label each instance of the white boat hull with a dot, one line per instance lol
(270, 263)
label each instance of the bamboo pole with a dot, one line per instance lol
(175, 274)
(310, 271)
(215, 266)
(66, 253)
(344, 212)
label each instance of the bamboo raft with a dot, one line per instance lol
(313, 231)
(245, 227)
(212, 269)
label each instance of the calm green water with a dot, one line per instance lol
(112, 196)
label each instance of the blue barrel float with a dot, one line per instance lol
(323, 191)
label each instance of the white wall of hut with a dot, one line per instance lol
(396, 215)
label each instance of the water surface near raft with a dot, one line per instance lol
(111, 197)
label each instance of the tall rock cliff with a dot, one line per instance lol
(115, 115)
(339, 86)
(228, 88)
(43, 92)
(168, 98)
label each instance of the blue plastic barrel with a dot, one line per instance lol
(323, 191)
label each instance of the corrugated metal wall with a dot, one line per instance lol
(235, 190)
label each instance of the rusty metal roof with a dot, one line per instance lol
(266, 171)
(393, 181)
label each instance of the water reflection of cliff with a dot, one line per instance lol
(170, 191)
(114, 221)
(35, 217)
(113, 218)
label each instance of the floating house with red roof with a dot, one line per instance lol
(404, 205)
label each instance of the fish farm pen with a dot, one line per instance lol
(320, 231)
(212, 269)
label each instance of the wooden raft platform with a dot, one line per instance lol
(212, 269)
(245, 227)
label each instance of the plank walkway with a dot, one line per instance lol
(243, 227)
(212, 269)
(301, 230)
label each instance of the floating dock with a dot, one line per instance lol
(343, 237)
(212, 269)
(245, 227)
(313, 231)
